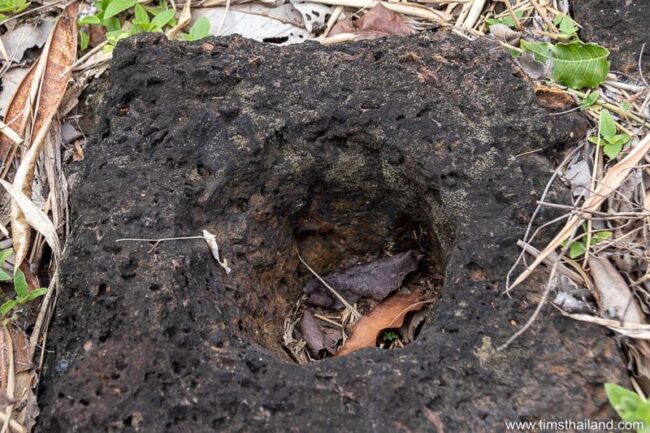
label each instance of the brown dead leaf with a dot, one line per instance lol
(554, 99)
(312, 333)
(56, 62)
(389, 314)
(376, 23)
(16, 119)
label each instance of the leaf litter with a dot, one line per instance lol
(391, 292)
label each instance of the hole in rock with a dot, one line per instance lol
(377, 249)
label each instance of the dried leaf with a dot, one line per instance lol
(312, 333)
(57, 60)
(34, 217)
(409, 329)
(376, 23)
(26, 36)
(10, 82)
(389, 314)
(374, 280)
(614, 297)
(314, 15)
(612, 179)
(533, 68)
(15, 117)
(503, 33)
(579, 176)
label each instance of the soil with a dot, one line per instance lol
(338, 153)
(619, 25)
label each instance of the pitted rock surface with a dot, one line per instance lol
(334, 152)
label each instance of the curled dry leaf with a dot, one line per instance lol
(312, 333)
(533, 68)
(409, 329)
(375, 280)
(376, 23)
(503, 33)
(389, 314)
(614, 297)
(56, 62)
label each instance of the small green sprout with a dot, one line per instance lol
(608, 138)
(23, 295)
(579, 247)
(199, 30)
(507, 20)
(566, 25)
(389, 336)
(589, 100)
(630, 406)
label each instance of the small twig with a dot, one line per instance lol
(338, 296)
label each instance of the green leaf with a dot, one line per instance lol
(629, 405)
(598, 237)
(574, 64)
(117, 6)
(606, 124)
(612, 150)
(596, 140)
(4, 276)
(576, 250)
(8, 306)
(84, 40)
(566, 25)
(36, 293)
(90, 20)
(618, 139)
(20, 284)
(5, 254)
(114, 37)
(507, 20)
(141, 16)
(589, 100)
(200, 29)
(112, 24)
(163, 18)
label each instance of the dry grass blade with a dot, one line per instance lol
(59, 54)
(183, 20)
(388, 314)
(612, 180)
(35, 217)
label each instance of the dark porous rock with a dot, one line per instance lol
(619, 25)
(338, 152)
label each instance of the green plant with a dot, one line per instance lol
(507, 20)
(124, 18)
(629, 405)
(11, 7)
(607, 137)
(566, 25)
(389, 336)
(200, 29)
(579, 247)
(23, 295)
(574, 64)
(589, 100)
(4, 255)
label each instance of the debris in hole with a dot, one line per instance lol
(392, 309)
(375, 280)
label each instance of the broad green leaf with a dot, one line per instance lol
(20, 284)
(7, 307)
(5, 254)
(590, 100)
(596, 140)
(576, 250)
(606, 124)
(84, 40)
(163, 18)
(4, 276)
(629, 405)
(618, 139)
(112, 24)
(598, 237)
(612, 150)
(117, 6)
(200, 29)
(574, 64)
(141, 16)
(90, 20)
(566, 25)
(36, 293)
(507, 20)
